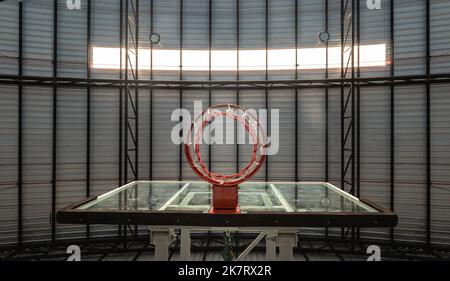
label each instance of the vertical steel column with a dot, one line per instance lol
(237, 78)
(127, 61)
(20, 132)
(125, 149)
(180, 156)
(358, 106)
(358, 99)
(136, 99)
(267, 78)
(428, 129)
(296, 96)
(326, 97)
(326, 105)
(150, 165)
(392, 118)
(54, 113)
(353, 97)
(353, 110)
(121, 181)
(342, 93)
(209, 72)
(296, 93)
(88, 110)
(136, 92)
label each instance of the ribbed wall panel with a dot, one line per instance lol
(8, 164)
(410, 33)
(105, 31)
(104, 144)
(440, 164)
(334, 29)
(410, 163)
(189, 97)
(37, 163)
(252, 33)
(38, 34)
(375, 150)
(311, 21)
(334, 137)
(410, 114)
(375, 29)
(70, 154)
(195, 34)
(281, 167)
(440, 36)
(72, 40)
(9, 33)
(224, 157)
(165, 153)
(144, 133)
(254, 99)
(311, 135)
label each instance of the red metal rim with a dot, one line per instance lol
(252, 127)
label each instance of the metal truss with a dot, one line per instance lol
(348, 16)
(347, 100)
(130, 118)
(226, 85)
(131, 133)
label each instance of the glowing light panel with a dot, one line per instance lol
(251, 59)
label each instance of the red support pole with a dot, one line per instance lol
(225, 200)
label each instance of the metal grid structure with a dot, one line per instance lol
(131, 133)
(347, 97)
(210, 248)
(229, 85)
(349, 85)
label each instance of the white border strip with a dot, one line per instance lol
(281, 198)
(104, 196)
(169, 202)
(114, 191)
(351, 198)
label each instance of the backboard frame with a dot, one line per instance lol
(72, 215)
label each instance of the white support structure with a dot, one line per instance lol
(271, 246)
(284, 238)
(161, 239)
(251, 246)
(185, 245)
(286, 243)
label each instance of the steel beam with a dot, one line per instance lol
(20, 133)
(392, 117)
(88, 105)
(443, 78)
(54, 116)
(428, 122)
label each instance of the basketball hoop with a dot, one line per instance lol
(225, 187)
